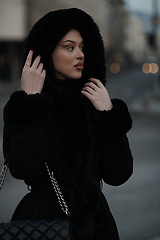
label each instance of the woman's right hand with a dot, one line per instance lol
(33, 77)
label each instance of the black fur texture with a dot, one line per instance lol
(48, 31)
(81, 144)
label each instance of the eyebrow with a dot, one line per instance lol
(71, 41)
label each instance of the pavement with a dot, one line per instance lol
(135, 204)
(149, 103)
(140, 91)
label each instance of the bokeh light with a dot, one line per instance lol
(150, 68)
(146, 68)
(154, 68)
(115, 68)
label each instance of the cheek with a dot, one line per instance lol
(62, 61)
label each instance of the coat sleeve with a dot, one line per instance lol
(110, 131)
(25, 145)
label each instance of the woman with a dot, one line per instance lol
(63, 115)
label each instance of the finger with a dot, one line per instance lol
(88, 89)
(40, 67)
(29, 58)
(97, 82)
(87, 94)
(44, 73)
(36, 62)
(91, 85)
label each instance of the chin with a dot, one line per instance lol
(77, 76)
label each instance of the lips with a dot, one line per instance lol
(79, 66)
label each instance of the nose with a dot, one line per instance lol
(80, 54)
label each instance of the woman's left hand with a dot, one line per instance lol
(97, 94)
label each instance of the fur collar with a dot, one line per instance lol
(48, 31)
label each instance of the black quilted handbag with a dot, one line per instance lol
(47, 229)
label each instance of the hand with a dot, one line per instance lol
(97, 94)
(33, 77)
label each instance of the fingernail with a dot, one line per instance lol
(32, 50)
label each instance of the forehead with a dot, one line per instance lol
(72, 35)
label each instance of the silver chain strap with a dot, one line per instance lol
(54, 182)
(3, 175)
(58, 192)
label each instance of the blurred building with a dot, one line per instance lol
(127, 41)
(97, 9)
(12, 32)
(117, 16)
(18, 16)
(136, 41)
(122, 33)
(158, 42)
(116, 32)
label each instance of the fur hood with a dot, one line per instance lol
(49, 30)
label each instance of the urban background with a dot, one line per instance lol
(132, 48)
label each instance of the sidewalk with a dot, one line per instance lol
(6, 88)
(147, 103)
(155, 238)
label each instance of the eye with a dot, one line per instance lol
(71, 48)
(82, 49)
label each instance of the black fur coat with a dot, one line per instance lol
(82, 145)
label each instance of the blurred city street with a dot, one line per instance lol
(131, 33)
(136, 204)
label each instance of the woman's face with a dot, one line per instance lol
(68, 56)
